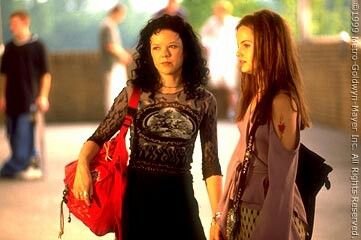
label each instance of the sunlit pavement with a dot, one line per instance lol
(30, 210)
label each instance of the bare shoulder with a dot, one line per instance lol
(284, 116)
(283, 103)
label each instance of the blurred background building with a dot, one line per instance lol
(70, 30)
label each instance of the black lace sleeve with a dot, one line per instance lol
(113, 120)
(208, 137)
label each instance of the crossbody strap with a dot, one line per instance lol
(132, 109)
(128, 119)
(242, 169)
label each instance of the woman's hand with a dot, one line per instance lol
(215, 231)
(214, 188)
(83, 188)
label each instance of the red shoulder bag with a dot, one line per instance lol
(108, 170)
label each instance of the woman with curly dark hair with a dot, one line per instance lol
(194, 72)
(173, 107)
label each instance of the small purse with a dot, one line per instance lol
(108, 170)
(233, 217)
(312, 175)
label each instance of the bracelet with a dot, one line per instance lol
(216, 216)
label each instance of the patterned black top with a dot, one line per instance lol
(165, 130)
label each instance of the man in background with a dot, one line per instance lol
(114, 57)
(219, 38)
(25, 83)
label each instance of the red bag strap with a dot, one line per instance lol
(134, 98)
(128, 119)
(132, 108)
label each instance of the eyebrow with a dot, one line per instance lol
(173, 42)
(247, 41)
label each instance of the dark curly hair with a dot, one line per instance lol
(194, 70)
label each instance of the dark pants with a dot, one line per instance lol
(159, 207)
(20, 130)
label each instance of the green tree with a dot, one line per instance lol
(330, 17)
(198, 11)
(66, 24)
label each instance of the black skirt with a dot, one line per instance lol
(160, 207)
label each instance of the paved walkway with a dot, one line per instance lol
(30, 210)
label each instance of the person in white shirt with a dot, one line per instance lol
(218, 37)
(114, 57)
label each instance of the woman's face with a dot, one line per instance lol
(166, 48)
(245, 42)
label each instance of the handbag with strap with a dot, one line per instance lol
(233, 221)
(312, 175)
(108, 171)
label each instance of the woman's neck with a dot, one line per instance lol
(171, 84)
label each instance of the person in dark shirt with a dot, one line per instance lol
(174, 107)
(25, 80)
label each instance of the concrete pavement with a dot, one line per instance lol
(30, 210)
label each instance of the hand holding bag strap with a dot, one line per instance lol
(119, 152)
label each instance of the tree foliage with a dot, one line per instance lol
(66, 24)
(330, 17)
